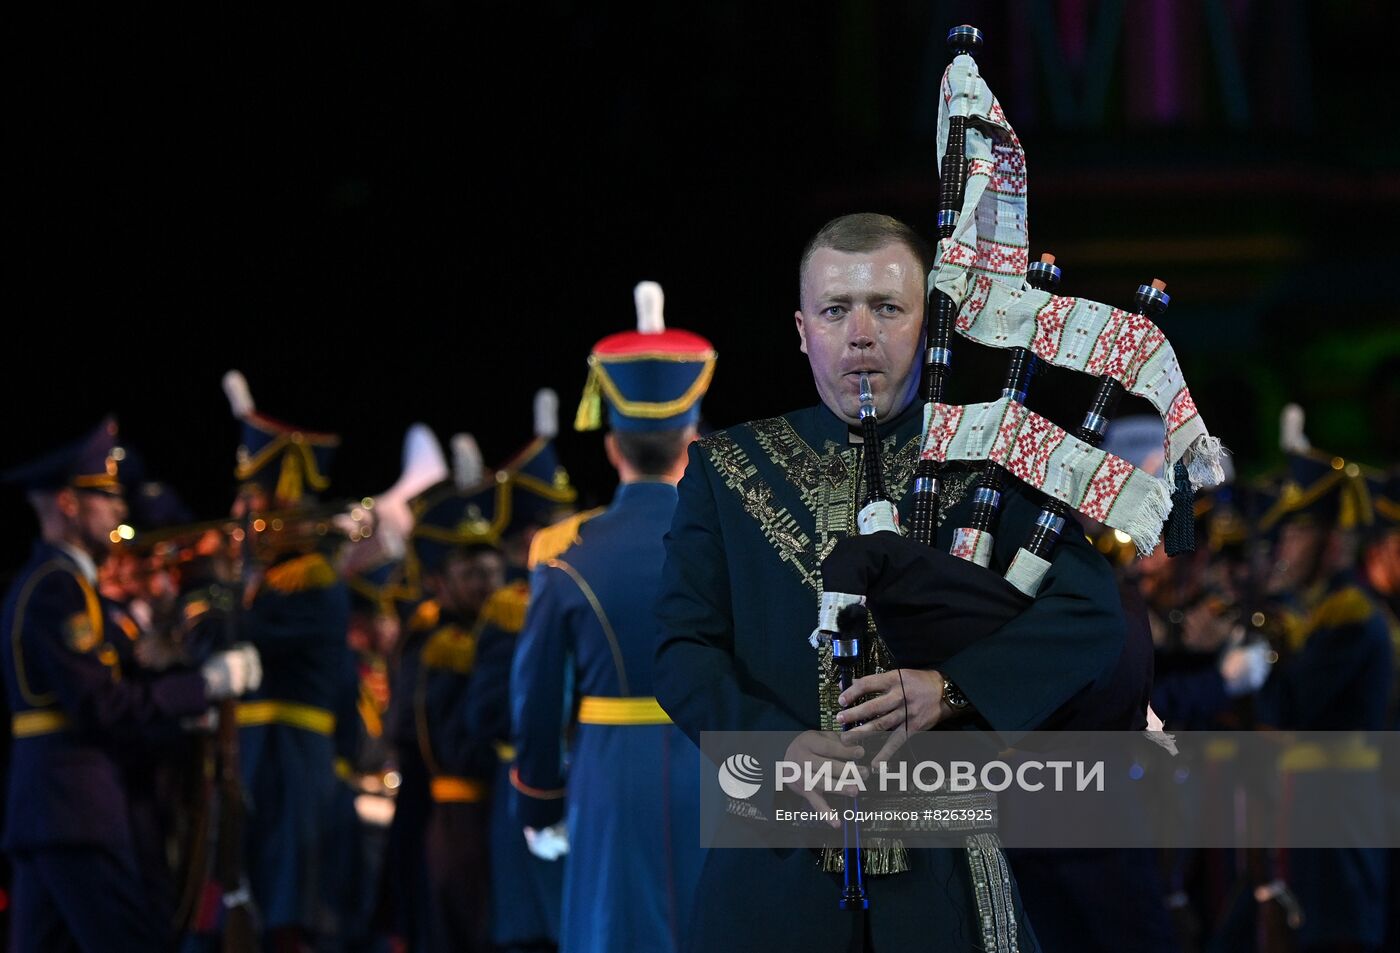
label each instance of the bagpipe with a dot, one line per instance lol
(927, 604)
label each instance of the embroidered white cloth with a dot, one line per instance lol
(982, 268)
(1043, 455)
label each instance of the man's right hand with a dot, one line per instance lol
(811, 749)
(232, 673)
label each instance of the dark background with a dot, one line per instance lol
(385, 213)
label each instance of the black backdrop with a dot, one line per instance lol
(424, 210)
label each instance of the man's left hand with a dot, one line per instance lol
(905, 700)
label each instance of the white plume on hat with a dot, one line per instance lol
(423, 466)
(651, 301)
(467, 465)
(1291, 438)
(240, 398)
(546, 413)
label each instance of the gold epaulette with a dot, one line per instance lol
(312, 571)
(553, 540)
(1346, 606)
(425, 617)
(451, 648)
(506, 607)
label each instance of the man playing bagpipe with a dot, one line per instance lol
(994, 611)
(89, 723)
(758, 506)
(585, 661)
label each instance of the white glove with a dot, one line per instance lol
(1245, 668)
(549, 843)
(232, 673)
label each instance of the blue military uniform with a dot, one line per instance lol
(82, 827)
(405, 863)
(629, 782)
(1336, 676)
(447, 765)
(297, 618)
(527, 892)
(355, 846)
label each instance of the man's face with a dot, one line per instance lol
(468, 579)
(1298, 557)
(95, 517)
(863, 311)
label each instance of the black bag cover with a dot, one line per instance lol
(927, 604)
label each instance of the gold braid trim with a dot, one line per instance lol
(600, 385)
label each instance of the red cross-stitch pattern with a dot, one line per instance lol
(1000, 259)
(942, 428)
(1150, 340)
(1028, 456)
(956, 253)
(965, 543)
(1010, 175)
(1126, 343)
(1103, 344)
(1104, 487)
(976, 167)
(1049, 325)
(974, 303)
(1182, 409)
(999, 117)
(1121, 347)
(1011, 423)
